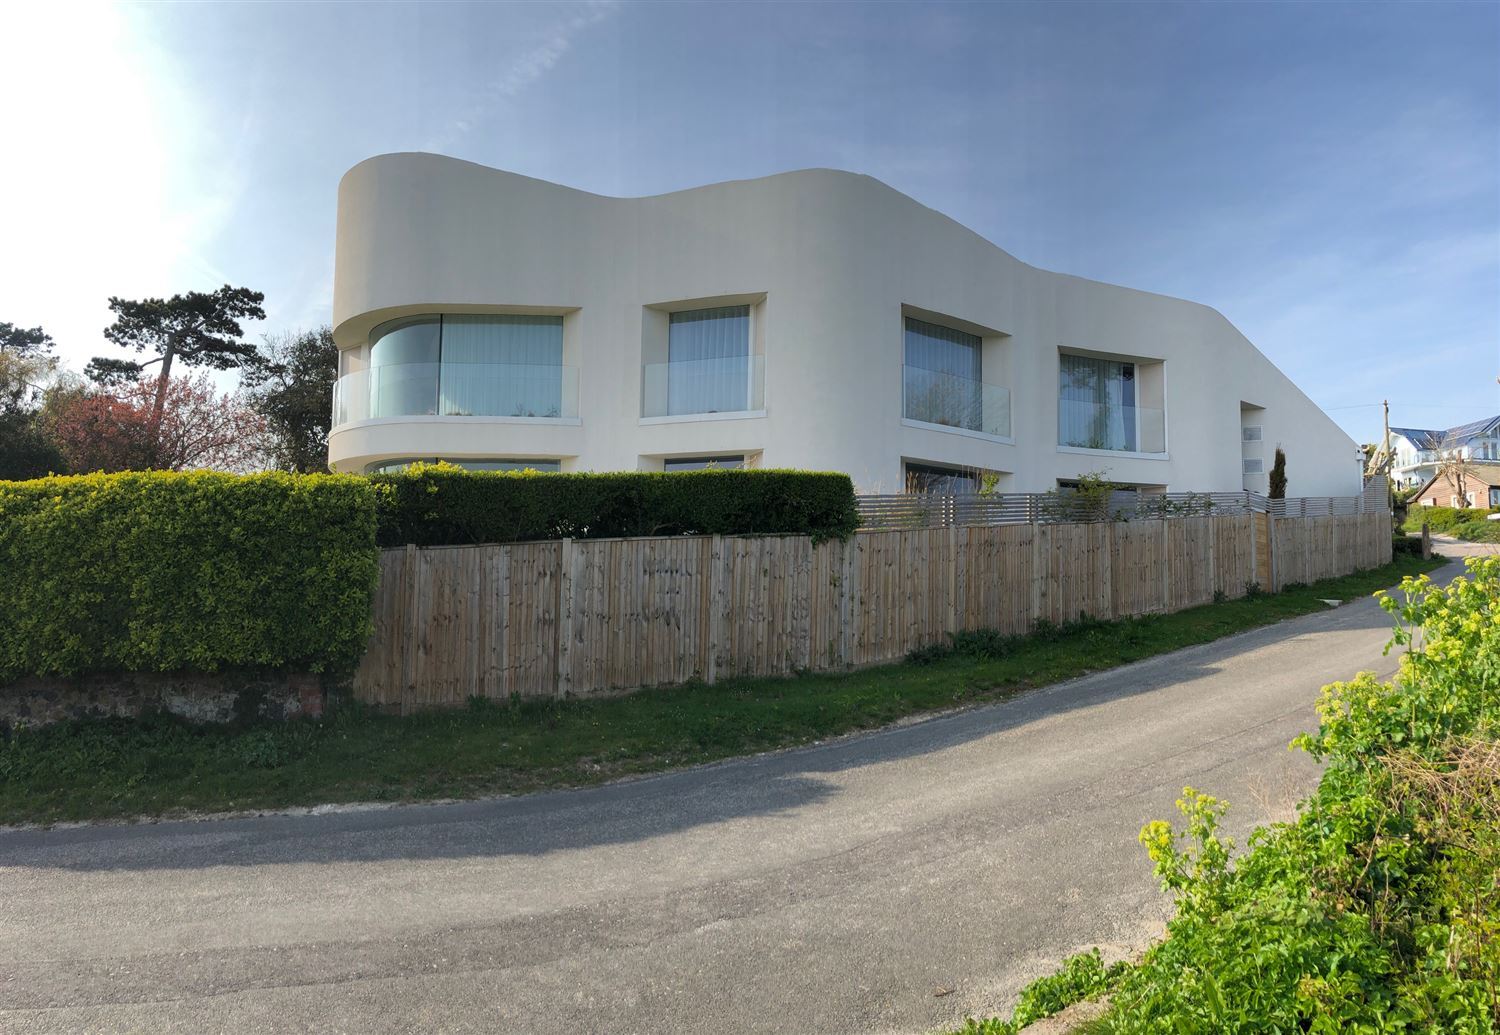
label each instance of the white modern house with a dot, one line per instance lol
(1420, 452)
(812, 319)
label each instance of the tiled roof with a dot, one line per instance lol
(1481, 472)
(1426, 438)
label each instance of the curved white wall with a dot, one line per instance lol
(829, 259)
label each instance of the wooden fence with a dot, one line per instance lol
(580, 617)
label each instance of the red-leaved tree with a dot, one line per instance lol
(110, 429)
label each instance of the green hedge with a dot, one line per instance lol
(1478, 531)
(439, 505)
(161, 571)
(1405, 544)
(1441, 519)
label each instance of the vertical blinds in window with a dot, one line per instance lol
(708, 360)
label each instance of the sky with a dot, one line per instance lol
(1325, 175)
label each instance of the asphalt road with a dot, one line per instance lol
(891, 882)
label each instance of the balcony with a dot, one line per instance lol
(954, 401)
(510, 390)
(701, 387)
(1102, 426)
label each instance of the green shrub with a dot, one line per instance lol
(1406, 544)
(1478, 531)
(441, 505)
(1377, 908)
(1080, 977)
(1441, 519)
(163, 571)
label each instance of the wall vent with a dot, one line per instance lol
(1250, 433)
(1254, 465)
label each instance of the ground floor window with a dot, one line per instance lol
(930, 479)
(468, 464)
(700, 463)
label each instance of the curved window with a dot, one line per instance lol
(404, 367)
(462, 366)
(391, 466)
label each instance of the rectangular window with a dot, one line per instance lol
(502, 366)
(1251, 433)
(700, 463)
(708, 361)
(1254, 465)
(927, 479)
(942, 382)
(1096, 403)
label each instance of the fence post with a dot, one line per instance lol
(715, 605)
(1166, 566)
(1426, 542)
(1271, 548)
(954, 590)
(565, 619)
(1213, 565)
(1039, 573)
(1254, 550)
(1107, 570)
(413, 626)
(846, 600)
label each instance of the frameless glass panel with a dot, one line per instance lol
(922, 479)
(545, 466)
(502, 366)
(745, 374)
(1096, 403)
(404, 390)
(389, 466)
(699, 463)
(708, 361)
(404, 358)
(955, 402)
(351, 398)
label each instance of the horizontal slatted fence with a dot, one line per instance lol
(595, 616)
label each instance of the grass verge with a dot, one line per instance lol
(155, 766)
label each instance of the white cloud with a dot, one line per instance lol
(523, 70)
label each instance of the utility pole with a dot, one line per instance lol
(1380, 460)
(1385, 449)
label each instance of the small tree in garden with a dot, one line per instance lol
(27, 367)
(290, 387)
(114, 430)
(1278, 476)
(200, 329)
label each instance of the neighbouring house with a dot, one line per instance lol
(812, 319)
(1420, 452)
(1481, 487)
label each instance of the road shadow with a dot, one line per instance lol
(775, 784)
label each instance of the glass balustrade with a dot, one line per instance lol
(456, 390)
(954, 401)
(1130, 429)
(730, 384)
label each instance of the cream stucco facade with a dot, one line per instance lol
(827, 275)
